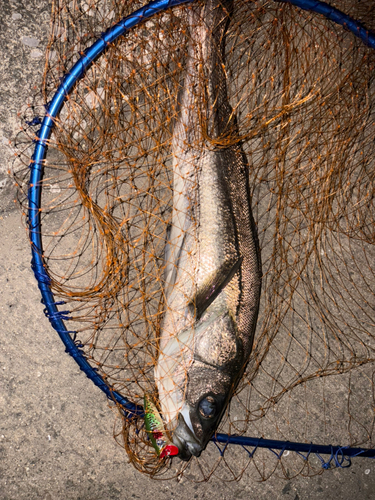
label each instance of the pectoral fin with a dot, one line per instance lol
(213, 286)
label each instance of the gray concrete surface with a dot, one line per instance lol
(55, 426)
(23, 36)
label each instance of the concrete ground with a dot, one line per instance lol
(56, 438)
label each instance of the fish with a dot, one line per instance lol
(212, 277)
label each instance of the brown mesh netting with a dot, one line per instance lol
(302, 94)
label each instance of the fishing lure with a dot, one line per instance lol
(156, 430)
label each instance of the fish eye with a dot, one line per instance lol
(207, 407)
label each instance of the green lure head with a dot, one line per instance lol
(155, 429)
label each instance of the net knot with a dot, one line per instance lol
(326, 464)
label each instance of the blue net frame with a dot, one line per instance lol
(340, 455)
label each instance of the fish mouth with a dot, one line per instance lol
(185, 440)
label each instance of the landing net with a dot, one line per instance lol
(302, 90)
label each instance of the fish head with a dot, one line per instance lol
(211, 380)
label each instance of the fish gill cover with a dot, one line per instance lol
(299, 110)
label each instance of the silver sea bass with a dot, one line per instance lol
(213, 271)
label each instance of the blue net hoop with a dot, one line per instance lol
(341, 455)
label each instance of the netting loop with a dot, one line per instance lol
(326, 464)
(40, 272)
(221, 450)
(53, 316)
(341, 458)
(250, 453)
(76, 352)
(35, 140)
(35, 121)
(305, 457)
(280, 454)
